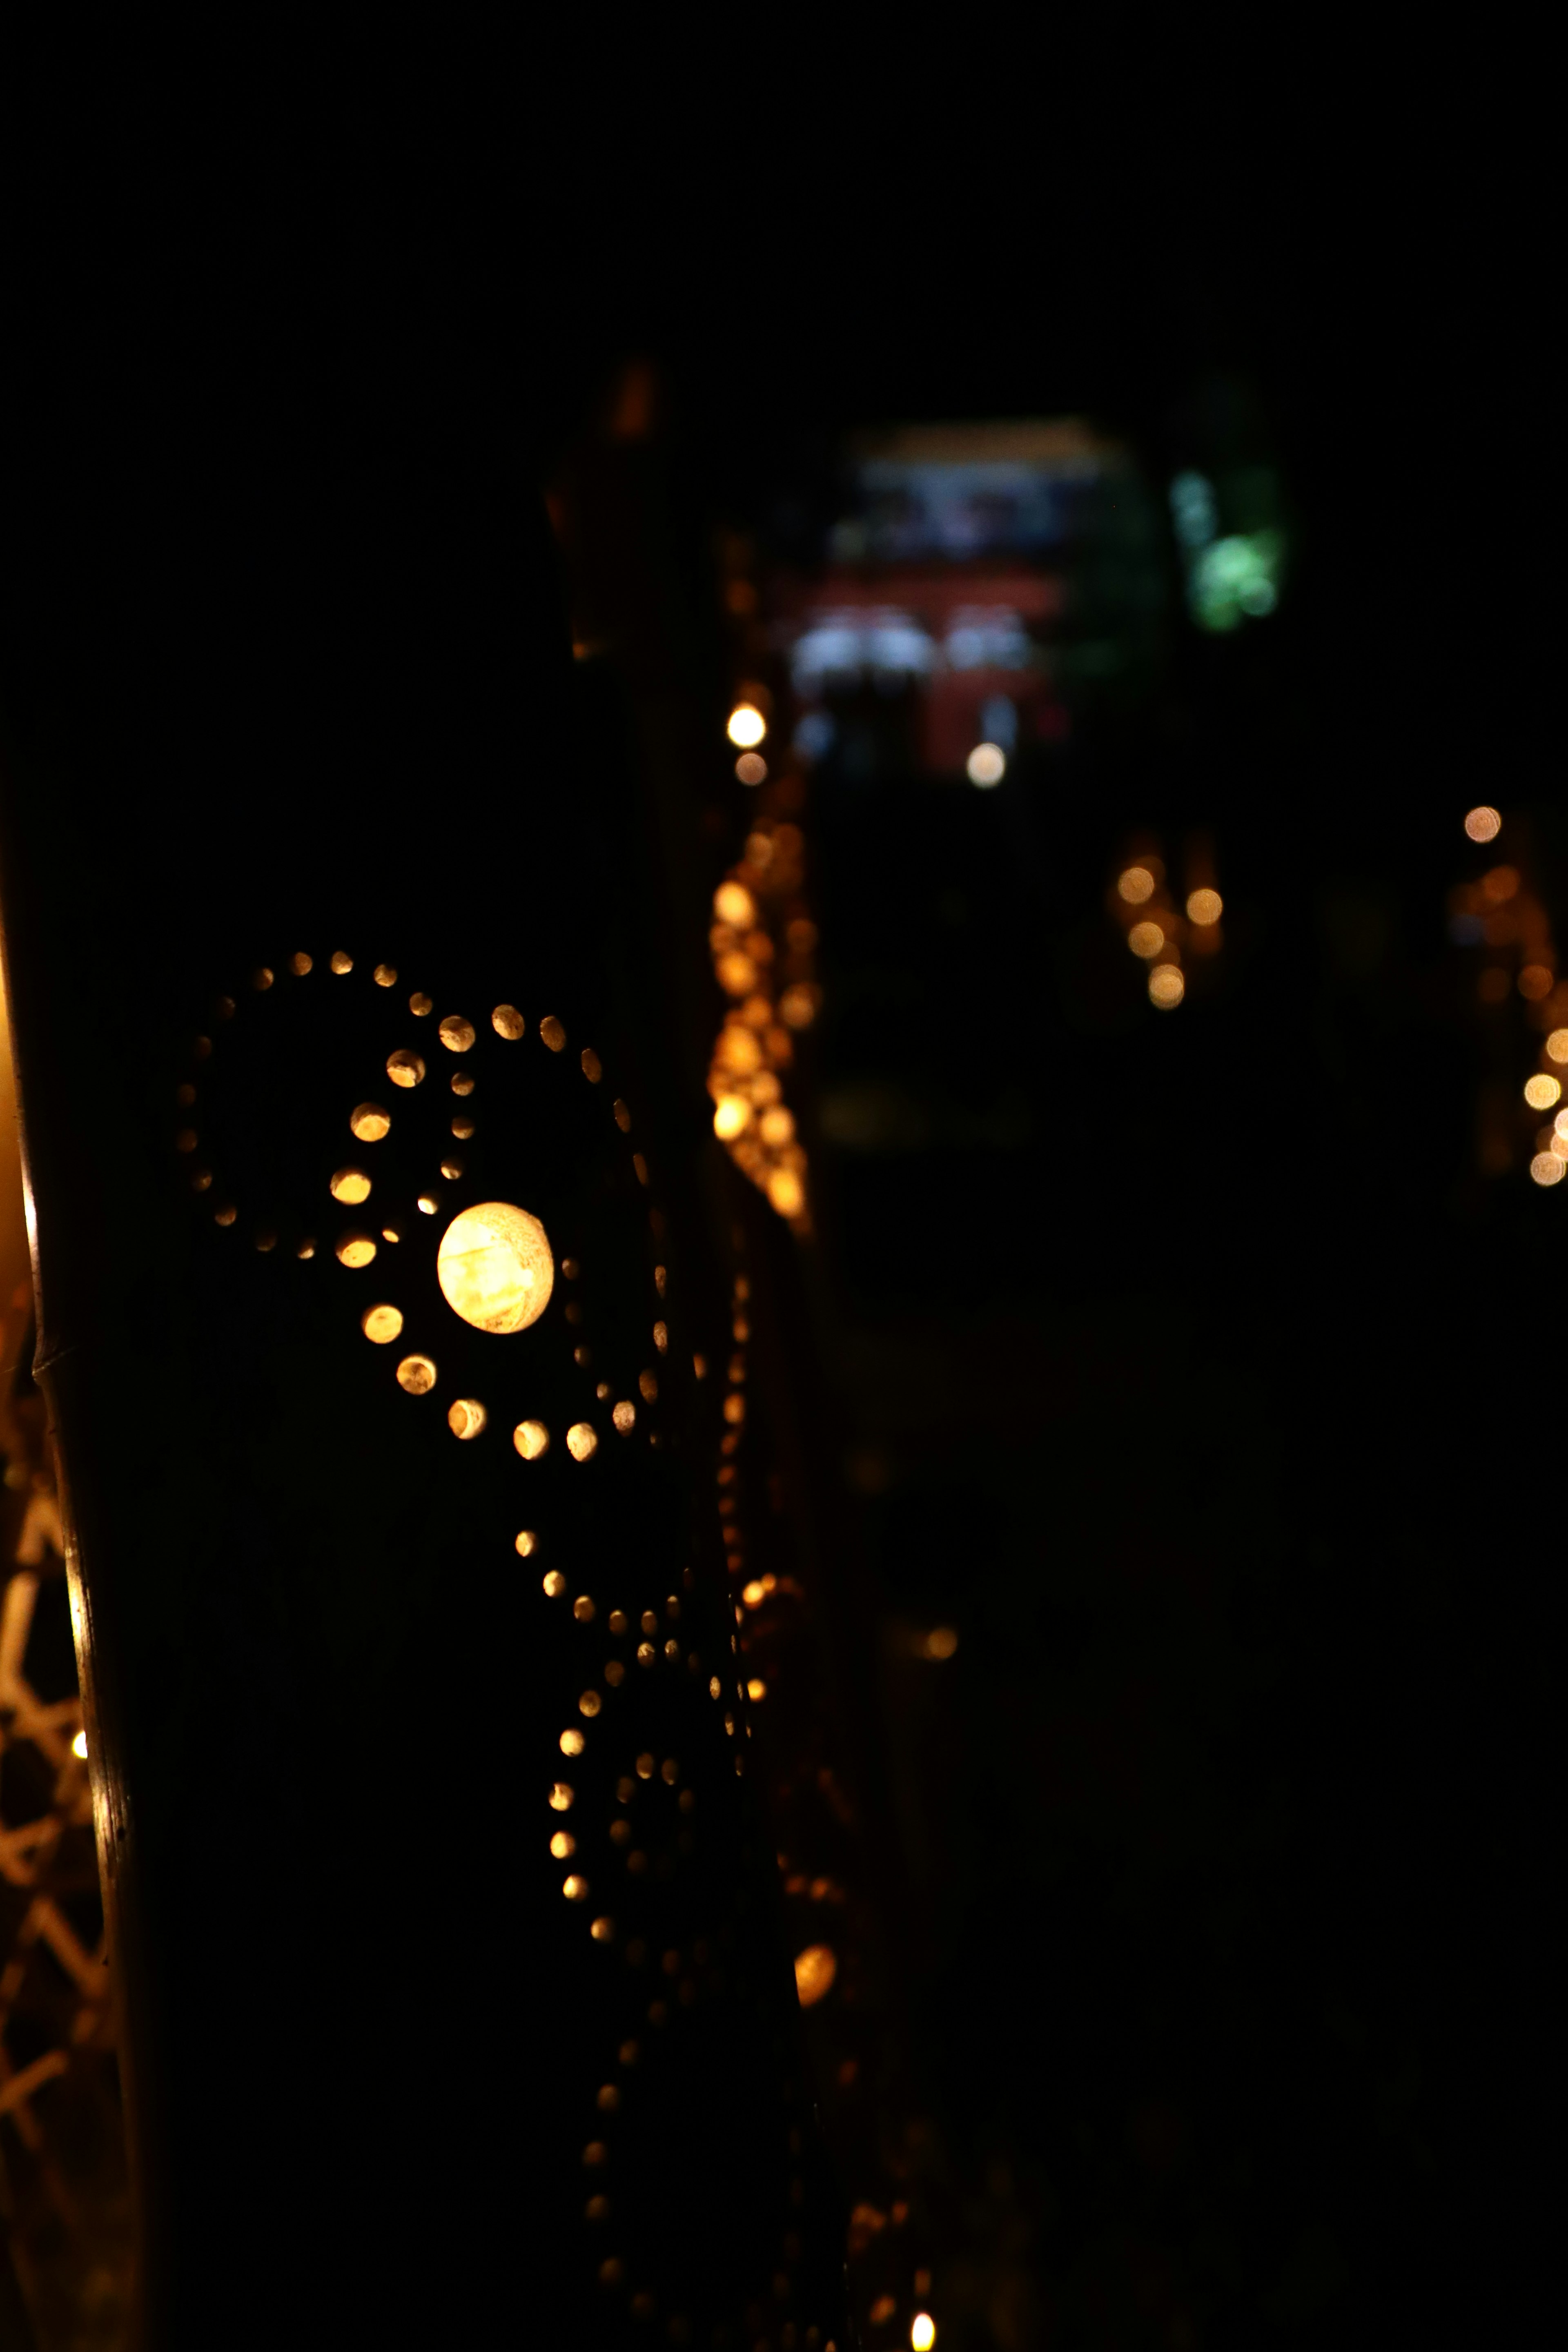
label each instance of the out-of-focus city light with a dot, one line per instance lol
(464, 1417)
(1136, 884)
(1483, 825)
(786, 1192)
(756, 1689)
(1557, 1044)
(777, 1125)
(1560, 1124)
(922, 2332)
(381, 1324)
(986, 765)
(1541, 1091)
(815, 1969)
(78, 1745)
(495, 1267)
(1500, 884)
(580, 1441)
(1145, 939)
(942, 1641)
(734, 904)
(530, 1439)
(1166, 987)
(1204, 906)
(737, 973)
(1547, 1169)
(751, 768)
(730, 1114)
(1534, 982)
(747, 726)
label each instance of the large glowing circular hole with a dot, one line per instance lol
(369, 1122)
(416, 1374)
(381, 1324)
(495, 1267)
(465, 1417)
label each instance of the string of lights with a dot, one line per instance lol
(762, 944)
(1502, 911)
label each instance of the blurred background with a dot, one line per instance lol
(1086, 640)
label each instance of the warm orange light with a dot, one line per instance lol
(416, 1374)
(1541, 1091)
(1166, 987)
(734, 904)
(798, 1006)
(942, 1641)
(349, 1185)
(986, 765)
(580, 1441)
(1204, 906)
(1534, 982)
(78, 1745)
(532, 1439)
(370, 1122)
(732, 1114)
(777, 1125)
(465, 1417)
(1547, 1169)
(922, 2332)
(1500, 884)
(747, 727)
(495, 1267)
(1136, 884)
(381, 1324)
(737, 973)
(751, 768)
(756, 1689)
(563, 1844)
(625, 1416)
(1145, 939)
(1483, 825)
(815, 1969)
(786, 1194)
(739, 1051)
(561, 1798)
(405, 1068)
(1557, 1046)
(355, 1249)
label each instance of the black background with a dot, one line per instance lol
(1271, 1381)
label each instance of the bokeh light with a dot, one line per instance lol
(922, 2332)
(1166, 987)
(730, 1115)
(734, 904)
(1483, 825)
(1204, 906)
(751, 768)
(747, 726)
(1136, 884)
(1145, 939)
(1557, 1046)
(1541, 1091)
(1547, 1169)
(986, 765)
(815, 1969)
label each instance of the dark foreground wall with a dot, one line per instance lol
(287, 676)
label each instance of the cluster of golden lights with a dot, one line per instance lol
(1512, 925)
(1158, 931)
(762, 941)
